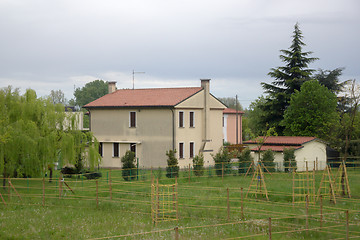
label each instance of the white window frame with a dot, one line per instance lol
(193, 120)
(113, 150)
(183, 150)
(193, 150)
(130, 119)
(183, 118)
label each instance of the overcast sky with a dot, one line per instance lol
(61, 44)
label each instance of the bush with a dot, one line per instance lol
(93, 175)
(222, 159)
(198, 165)
(289, 160)
(128, 166)
(245, 160)
(172, 170)
(268, 160)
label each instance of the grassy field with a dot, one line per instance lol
(209, 207)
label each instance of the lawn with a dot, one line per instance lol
(208, 207)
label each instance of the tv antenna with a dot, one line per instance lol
(133, 73)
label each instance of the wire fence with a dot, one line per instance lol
(217, 201)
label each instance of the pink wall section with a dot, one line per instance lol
(231, 128)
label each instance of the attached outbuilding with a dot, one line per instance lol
(310, 151)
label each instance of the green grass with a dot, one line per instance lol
(202, 209)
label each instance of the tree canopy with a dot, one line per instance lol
(90, 92)
(312, 112)
(35, 132)
(288, 78)
(230, 102)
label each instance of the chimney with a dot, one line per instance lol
(205, 84)
(111, 87)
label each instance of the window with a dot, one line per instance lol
(181, 150)
(132, 119)
(115, 149)
(192, 118)
(181, 119)
(133, 147)
(192, 149)
(101, 149)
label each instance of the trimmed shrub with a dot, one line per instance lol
(268, 160)
(128, 166)
(245, 160)
(172, 169)
(222, 160)
(289, 160)
(198, 165)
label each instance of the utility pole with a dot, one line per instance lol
(237, 125)
(133, 73)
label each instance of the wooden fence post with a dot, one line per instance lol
(97, 194)
(228, 205)
(270, 228)
(347, 224)
(9, 181)
(110, 187)
(307, 213)
(43, 188)
(189, 173)
(321, 211)
(242, 208)
(176, 233)
(222, 171)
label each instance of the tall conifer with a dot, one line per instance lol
(288, 78)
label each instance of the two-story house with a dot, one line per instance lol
(153, 121)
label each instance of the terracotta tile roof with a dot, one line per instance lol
(284, 140)
(154, 97)
(231, 111)
(275, 148)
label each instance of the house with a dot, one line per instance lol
(75, 118)
(230, 118)
(150, 122)
(310, 151)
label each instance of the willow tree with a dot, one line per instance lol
(35, 133)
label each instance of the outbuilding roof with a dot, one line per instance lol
(152, 97)
(274, 148)
(279, 143)
(283, 140)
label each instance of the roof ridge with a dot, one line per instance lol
(158, 88)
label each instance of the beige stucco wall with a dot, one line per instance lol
(153, 134)
(155, 130)
(196, 134)
(313, 152)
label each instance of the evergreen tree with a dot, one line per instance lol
(198, 165)
(288, 78)
(289, 160)
(172, 169)
(222, 162)
(128, 166)
(268, 158)
(245, 160)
